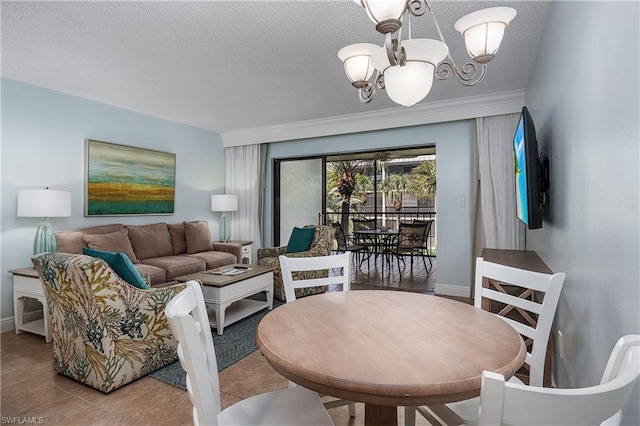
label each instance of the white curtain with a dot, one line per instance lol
(245, 178)
(497, 205)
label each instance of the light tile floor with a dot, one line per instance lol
(31, 391)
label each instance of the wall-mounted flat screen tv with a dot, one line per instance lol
(530, 173)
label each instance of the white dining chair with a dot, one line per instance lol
(525, 305)
(515, 404)
(187, 315)
(341, 275)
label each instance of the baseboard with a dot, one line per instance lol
(452, 290)
(9, 324)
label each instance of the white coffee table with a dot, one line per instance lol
(227, 295)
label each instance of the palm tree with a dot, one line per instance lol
(345, 179)
(423, 180)
(394, 187)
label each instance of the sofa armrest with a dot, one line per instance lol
(234, 249)
(271, 252)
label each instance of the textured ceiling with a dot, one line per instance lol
(232, 65)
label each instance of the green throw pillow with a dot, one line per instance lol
(121, 265)
(300, 240)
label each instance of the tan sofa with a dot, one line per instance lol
(160, 250)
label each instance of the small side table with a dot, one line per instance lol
(26, 284)
(247, 258)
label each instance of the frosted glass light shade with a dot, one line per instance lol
(224, 203)
(409, 84)
(357, 62)
(383, 10)
(44, 203)
(483, 31)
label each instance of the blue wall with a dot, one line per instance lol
(453, 143)
(586, 112)
(43, 137)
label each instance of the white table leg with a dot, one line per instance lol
(18, 307)
(269, 294)
(220, 311)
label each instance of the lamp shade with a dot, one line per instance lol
(409, 84)
(483, 31)
(357, 62)
(383, 10)
(224, 203)
(44, 203)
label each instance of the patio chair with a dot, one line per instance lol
(410, 241)
(187, 315)
(503, 402)
(368, 241)
(527, 307)
(292, 266)
(426, 249)
(344, 245)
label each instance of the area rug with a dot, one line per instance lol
(236, 342)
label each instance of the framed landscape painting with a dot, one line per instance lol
(125, 180)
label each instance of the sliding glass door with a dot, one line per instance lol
(298, 195)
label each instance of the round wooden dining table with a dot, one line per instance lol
(388, 348)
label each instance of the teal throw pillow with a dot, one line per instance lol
(121, 265)
(300, 240)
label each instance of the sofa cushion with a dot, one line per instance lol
(115, 241)
(156, 275)
(214, 259)
(177, 265)
(121, 265)
(198, 236)
(150, 240)
(300, 240)
(73, 242)
(178, 240)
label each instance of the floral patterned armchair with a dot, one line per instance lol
(321, 246)
(106, 332)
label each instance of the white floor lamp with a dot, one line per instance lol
(224, 203)
(44, 203)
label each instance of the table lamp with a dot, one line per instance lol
(224, 203)
(44, 203)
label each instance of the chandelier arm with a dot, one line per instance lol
(396, 55)
(379, 82)
(468, 76)
(368, 91)
(465, 76)
(418, 7)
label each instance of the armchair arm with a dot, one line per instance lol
(271, 251)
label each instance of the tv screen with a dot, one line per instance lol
(529, 195)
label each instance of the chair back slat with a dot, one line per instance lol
(534, 306)
(187, 315)
(340, 263)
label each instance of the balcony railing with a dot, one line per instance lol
(387, 220)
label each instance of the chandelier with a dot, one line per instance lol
(406, 68)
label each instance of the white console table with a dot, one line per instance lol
(27, 285)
